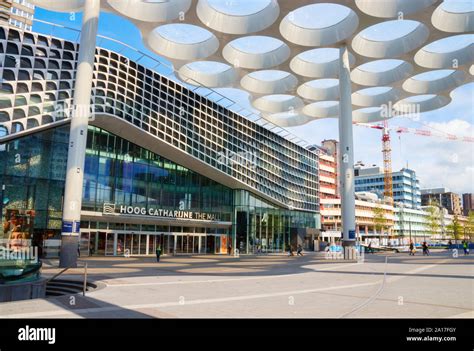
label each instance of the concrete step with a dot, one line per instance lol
(64, 291)
(67, 287)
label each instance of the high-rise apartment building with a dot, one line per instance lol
(468, 203)
(18, 13)
(447, 199)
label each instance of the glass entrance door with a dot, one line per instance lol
(121, 239)
(210, 244)
(188, 243)
(168, 244)
(93, 243)
(84, 244)
(110, 244)
(143, 244)
(101, 243)
(135, 244)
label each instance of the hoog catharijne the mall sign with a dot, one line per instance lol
(159, 212)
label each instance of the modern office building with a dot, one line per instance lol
(406, 186)
(467, 203)
(18, 13)
(445, 198)
(365, 203)
(410, 225)
(328, 169)
(366, 228)
(164, 165)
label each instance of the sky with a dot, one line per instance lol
(437, 161)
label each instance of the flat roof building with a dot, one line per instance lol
(406, 186)
(18, 13)
(468, 203)
(444, 197)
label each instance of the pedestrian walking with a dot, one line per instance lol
(412, 249)
(158, 253)
(328, 248)
(370, 248)
(290, 251)
(465, 247)
(426, 251)
(299, 251)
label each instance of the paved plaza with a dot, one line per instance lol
(274, 286)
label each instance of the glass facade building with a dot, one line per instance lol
(164, 165)
(120, 174)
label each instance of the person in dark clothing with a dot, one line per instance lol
(229, 249)
(370, 248)
(426, 251)
(290, 251)
(158, 253)
(299, 251)
(412, 249)
(465, 246)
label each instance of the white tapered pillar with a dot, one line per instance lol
(346, 154)
(78, 136)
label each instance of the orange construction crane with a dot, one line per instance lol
(387, 163)
(421, 132)
(387, 151)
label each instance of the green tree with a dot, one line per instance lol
(469, 226)
(380, 221)
(433, 221)
(456, 229)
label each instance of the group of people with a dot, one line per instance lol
(299, 251)
(424, 246)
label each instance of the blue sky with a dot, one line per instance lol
(437, 161)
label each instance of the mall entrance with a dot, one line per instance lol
(121, 243)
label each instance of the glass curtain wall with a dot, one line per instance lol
(123, 173)
(120, 172)
(116, 171)
(262, 227)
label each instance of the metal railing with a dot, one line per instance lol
(84, 285)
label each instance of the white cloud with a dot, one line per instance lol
(439, 161)
(436, 160)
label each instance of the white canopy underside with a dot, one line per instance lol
(405, 54)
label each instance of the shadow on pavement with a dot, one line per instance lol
(102, 268)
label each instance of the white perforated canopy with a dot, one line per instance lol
(285, 54)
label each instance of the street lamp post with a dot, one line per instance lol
(409, 228)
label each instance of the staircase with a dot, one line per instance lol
(60, 287)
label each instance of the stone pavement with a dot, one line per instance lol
(438, 286)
